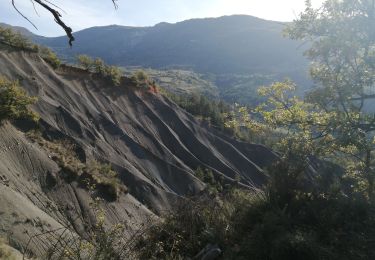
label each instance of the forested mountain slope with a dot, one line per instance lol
(230, 44)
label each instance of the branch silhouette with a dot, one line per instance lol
(53, 9)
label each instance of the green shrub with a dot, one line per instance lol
(98, 67)
(15, 39)
(141, 79)
(18, 41)
(104, 179)
(287, 221)
(50, 57)
(193, 224)
(85, 62)
(35, 48)
(14, 102)
(140, 76)
(198, 105)
(213, 185)
(114, 74)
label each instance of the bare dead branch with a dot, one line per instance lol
(58, 20)
(18, 11)
(32, 2)
(115, 3)
(49, 6)
(58, 7)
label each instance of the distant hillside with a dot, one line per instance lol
(230, 44)
(233, 54)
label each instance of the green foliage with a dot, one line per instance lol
(141, 79)
(346, 80)
(105, 242)
(50, 57)
(114, 73)
(140, 76)
(188, 229)
(335, 120)
(15, 40)
(242, 88)
(14, 102)
(304, 128)
(304, 213)
(19, 42)
(104, 179)
(201, 106)
(284, 222)
(86, 62)
(246, 126)
(214, 185)
(98, 67)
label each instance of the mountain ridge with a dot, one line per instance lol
(226, 44)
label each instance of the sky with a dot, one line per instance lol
(80, 14)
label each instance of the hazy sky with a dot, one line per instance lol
(81, 14)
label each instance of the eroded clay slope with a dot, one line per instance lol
(153, 145)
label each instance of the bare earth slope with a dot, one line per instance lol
(153, 144)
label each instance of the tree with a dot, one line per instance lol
(52, 8)
(336, 118)
(343, 55)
